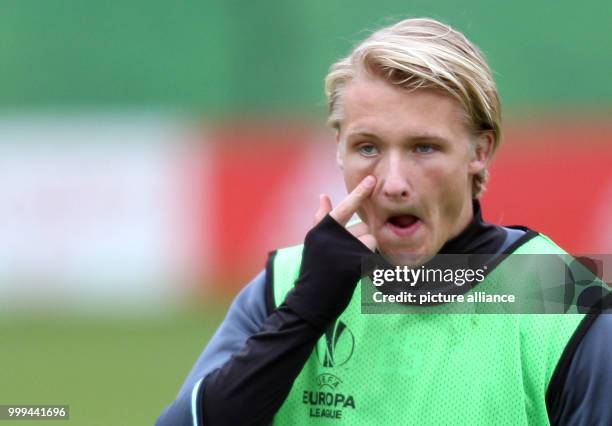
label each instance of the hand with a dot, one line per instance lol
(332, 260)
(347, 208)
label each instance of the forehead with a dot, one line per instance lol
(373, 105)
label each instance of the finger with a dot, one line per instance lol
(359, 229)
(345, 210)
(325, 206)
(369, 241)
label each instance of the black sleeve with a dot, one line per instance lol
(252, 385)
(584, 398)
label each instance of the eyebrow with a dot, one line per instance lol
(417, 137)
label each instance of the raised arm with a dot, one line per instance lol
(246, 372)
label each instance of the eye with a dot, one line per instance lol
(368, 150)
(424, 148)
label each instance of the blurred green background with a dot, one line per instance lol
(110, 371)
(223, 60)
(228, 56)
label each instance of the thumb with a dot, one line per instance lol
(325, 206)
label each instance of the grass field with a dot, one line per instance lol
(110, 371)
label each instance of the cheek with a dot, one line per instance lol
(448, 177)
(436, 177)
(451, 185)
(355, 170)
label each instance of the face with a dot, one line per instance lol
(424, 158)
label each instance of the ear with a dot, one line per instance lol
(339, 149)
(482, 153)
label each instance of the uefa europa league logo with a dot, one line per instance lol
(337, 346)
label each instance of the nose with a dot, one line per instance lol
(395, 183)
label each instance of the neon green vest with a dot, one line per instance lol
(426, 369)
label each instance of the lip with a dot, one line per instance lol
(404, 232)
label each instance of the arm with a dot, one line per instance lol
(244, 318)
(237, 382)
(329, 272)
(585, 396)
(251, 387)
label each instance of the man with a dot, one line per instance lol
(417, 120)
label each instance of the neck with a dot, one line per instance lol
(477, 235)
(465, 217)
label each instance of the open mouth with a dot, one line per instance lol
(404, 224)
(403, 221)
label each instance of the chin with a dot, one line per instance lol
(405, 256)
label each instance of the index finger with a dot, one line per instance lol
(345, 210)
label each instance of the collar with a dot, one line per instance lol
(478, 237)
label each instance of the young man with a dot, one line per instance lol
(417, 119)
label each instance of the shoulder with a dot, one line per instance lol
(584, 377)
(528, 241)
(249, 306)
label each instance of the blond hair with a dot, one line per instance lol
(424, 54)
